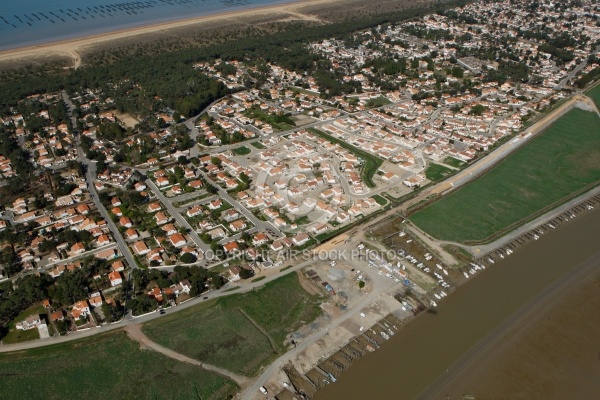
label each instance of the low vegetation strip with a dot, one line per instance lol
(594, 94)
(107, 366)
(553, 166)
(217, 333)
(371, 163)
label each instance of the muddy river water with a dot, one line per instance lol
(438, 355)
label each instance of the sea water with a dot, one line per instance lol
(33, 22)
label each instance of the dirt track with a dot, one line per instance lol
(134, 332)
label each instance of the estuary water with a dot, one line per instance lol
(32, 22)
(431, 346)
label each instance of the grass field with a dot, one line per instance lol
(454, 162)
(107, 366)
(218, 333)
(15, 335)
(370, 163)
(258, 145)
(380, 200)
(556, 164)
(594, 94)
(437, 172)
(241, 151)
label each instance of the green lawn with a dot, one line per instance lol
(218, 333)
(380, 200)
(106, 366)
(378, 102)
(454, 162)
(15, 335)
(563, 160)
(241, 151)
(594, 94)
(371, 163)
(437, 172)
(258, 145)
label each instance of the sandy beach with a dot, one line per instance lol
(72, 48)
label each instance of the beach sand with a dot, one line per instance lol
(305, 10)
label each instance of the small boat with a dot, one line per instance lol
(491, 260)
(433, 303)
(466, 275)
(437, 296)
(445, 272)
(439, 266)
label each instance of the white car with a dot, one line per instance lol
(263, 390)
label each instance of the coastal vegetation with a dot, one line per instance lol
(106, 366)
(241, 332)
(561, 162)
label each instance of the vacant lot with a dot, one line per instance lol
(594, 94)
(216, 335)
(563, 160)
(221, 332)
(454, 162)
(437, 172)
(241, 151)
(107, 366)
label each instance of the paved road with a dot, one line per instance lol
(243, 288)
(90, 178)
(175, 214)
(263, 225)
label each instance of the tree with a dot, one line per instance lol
(361, 284)
(187, 258)
(246, 273)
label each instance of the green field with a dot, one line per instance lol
(106, 366)
(560, 162)
(380, 200)
(371, 163)
(437, 172)
(594, 94)
(241, 151)
(15, 335)
(258, 145)
(218, 333)
(454, 162)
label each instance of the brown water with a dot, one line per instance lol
(426, 348)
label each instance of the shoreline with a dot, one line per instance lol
(71, 47)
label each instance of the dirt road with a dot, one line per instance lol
(134, 332)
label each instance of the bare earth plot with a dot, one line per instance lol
(563, 160)
(106, 366)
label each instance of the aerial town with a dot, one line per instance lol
(152, 210)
